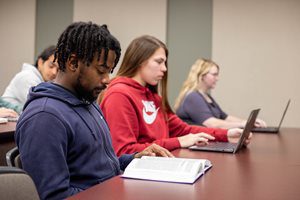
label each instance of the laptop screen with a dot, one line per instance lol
(287, 105)
(247, 129)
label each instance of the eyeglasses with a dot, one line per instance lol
(214, 74)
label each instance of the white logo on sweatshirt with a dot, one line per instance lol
(149, 107)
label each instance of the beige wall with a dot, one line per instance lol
(17, 22)
(125, 19)
(52, 17)
(257, 45)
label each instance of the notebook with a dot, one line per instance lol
(227, 146)
(271, 129)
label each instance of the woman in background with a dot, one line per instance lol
(195, 105)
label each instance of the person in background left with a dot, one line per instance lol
(44, 69)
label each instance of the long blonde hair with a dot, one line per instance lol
(199, 69)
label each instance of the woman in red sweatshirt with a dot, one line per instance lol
(136, 106)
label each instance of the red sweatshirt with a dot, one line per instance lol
(136, 120)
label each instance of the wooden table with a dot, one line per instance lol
(268, 169)
(7, 142)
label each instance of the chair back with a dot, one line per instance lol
(16, 184)
(13, 158)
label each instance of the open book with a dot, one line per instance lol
(181, 170)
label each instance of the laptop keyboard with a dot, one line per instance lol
(265, 129)
(221, 145)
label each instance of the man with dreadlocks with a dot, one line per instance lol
(63, 139)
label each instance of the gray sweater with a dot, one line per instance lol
(17, 90)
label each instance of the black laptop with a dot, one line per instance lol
(272, 129)
(227, 146)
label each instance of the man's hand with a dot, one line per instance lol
(154, 150)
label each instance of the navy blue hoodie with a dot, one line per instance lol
(64, 143)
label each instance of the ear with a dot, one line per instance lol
(72, 63)
(40, 63)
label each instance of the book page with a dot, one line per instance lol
(166, 169)
(171, 164)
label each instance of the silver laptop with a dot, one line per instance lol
(272, 129)
(227, 146)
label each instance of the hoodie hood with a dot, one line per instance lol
(54, 91)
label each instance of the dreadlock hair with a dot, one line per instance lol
(49, 51)
(85, 40)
